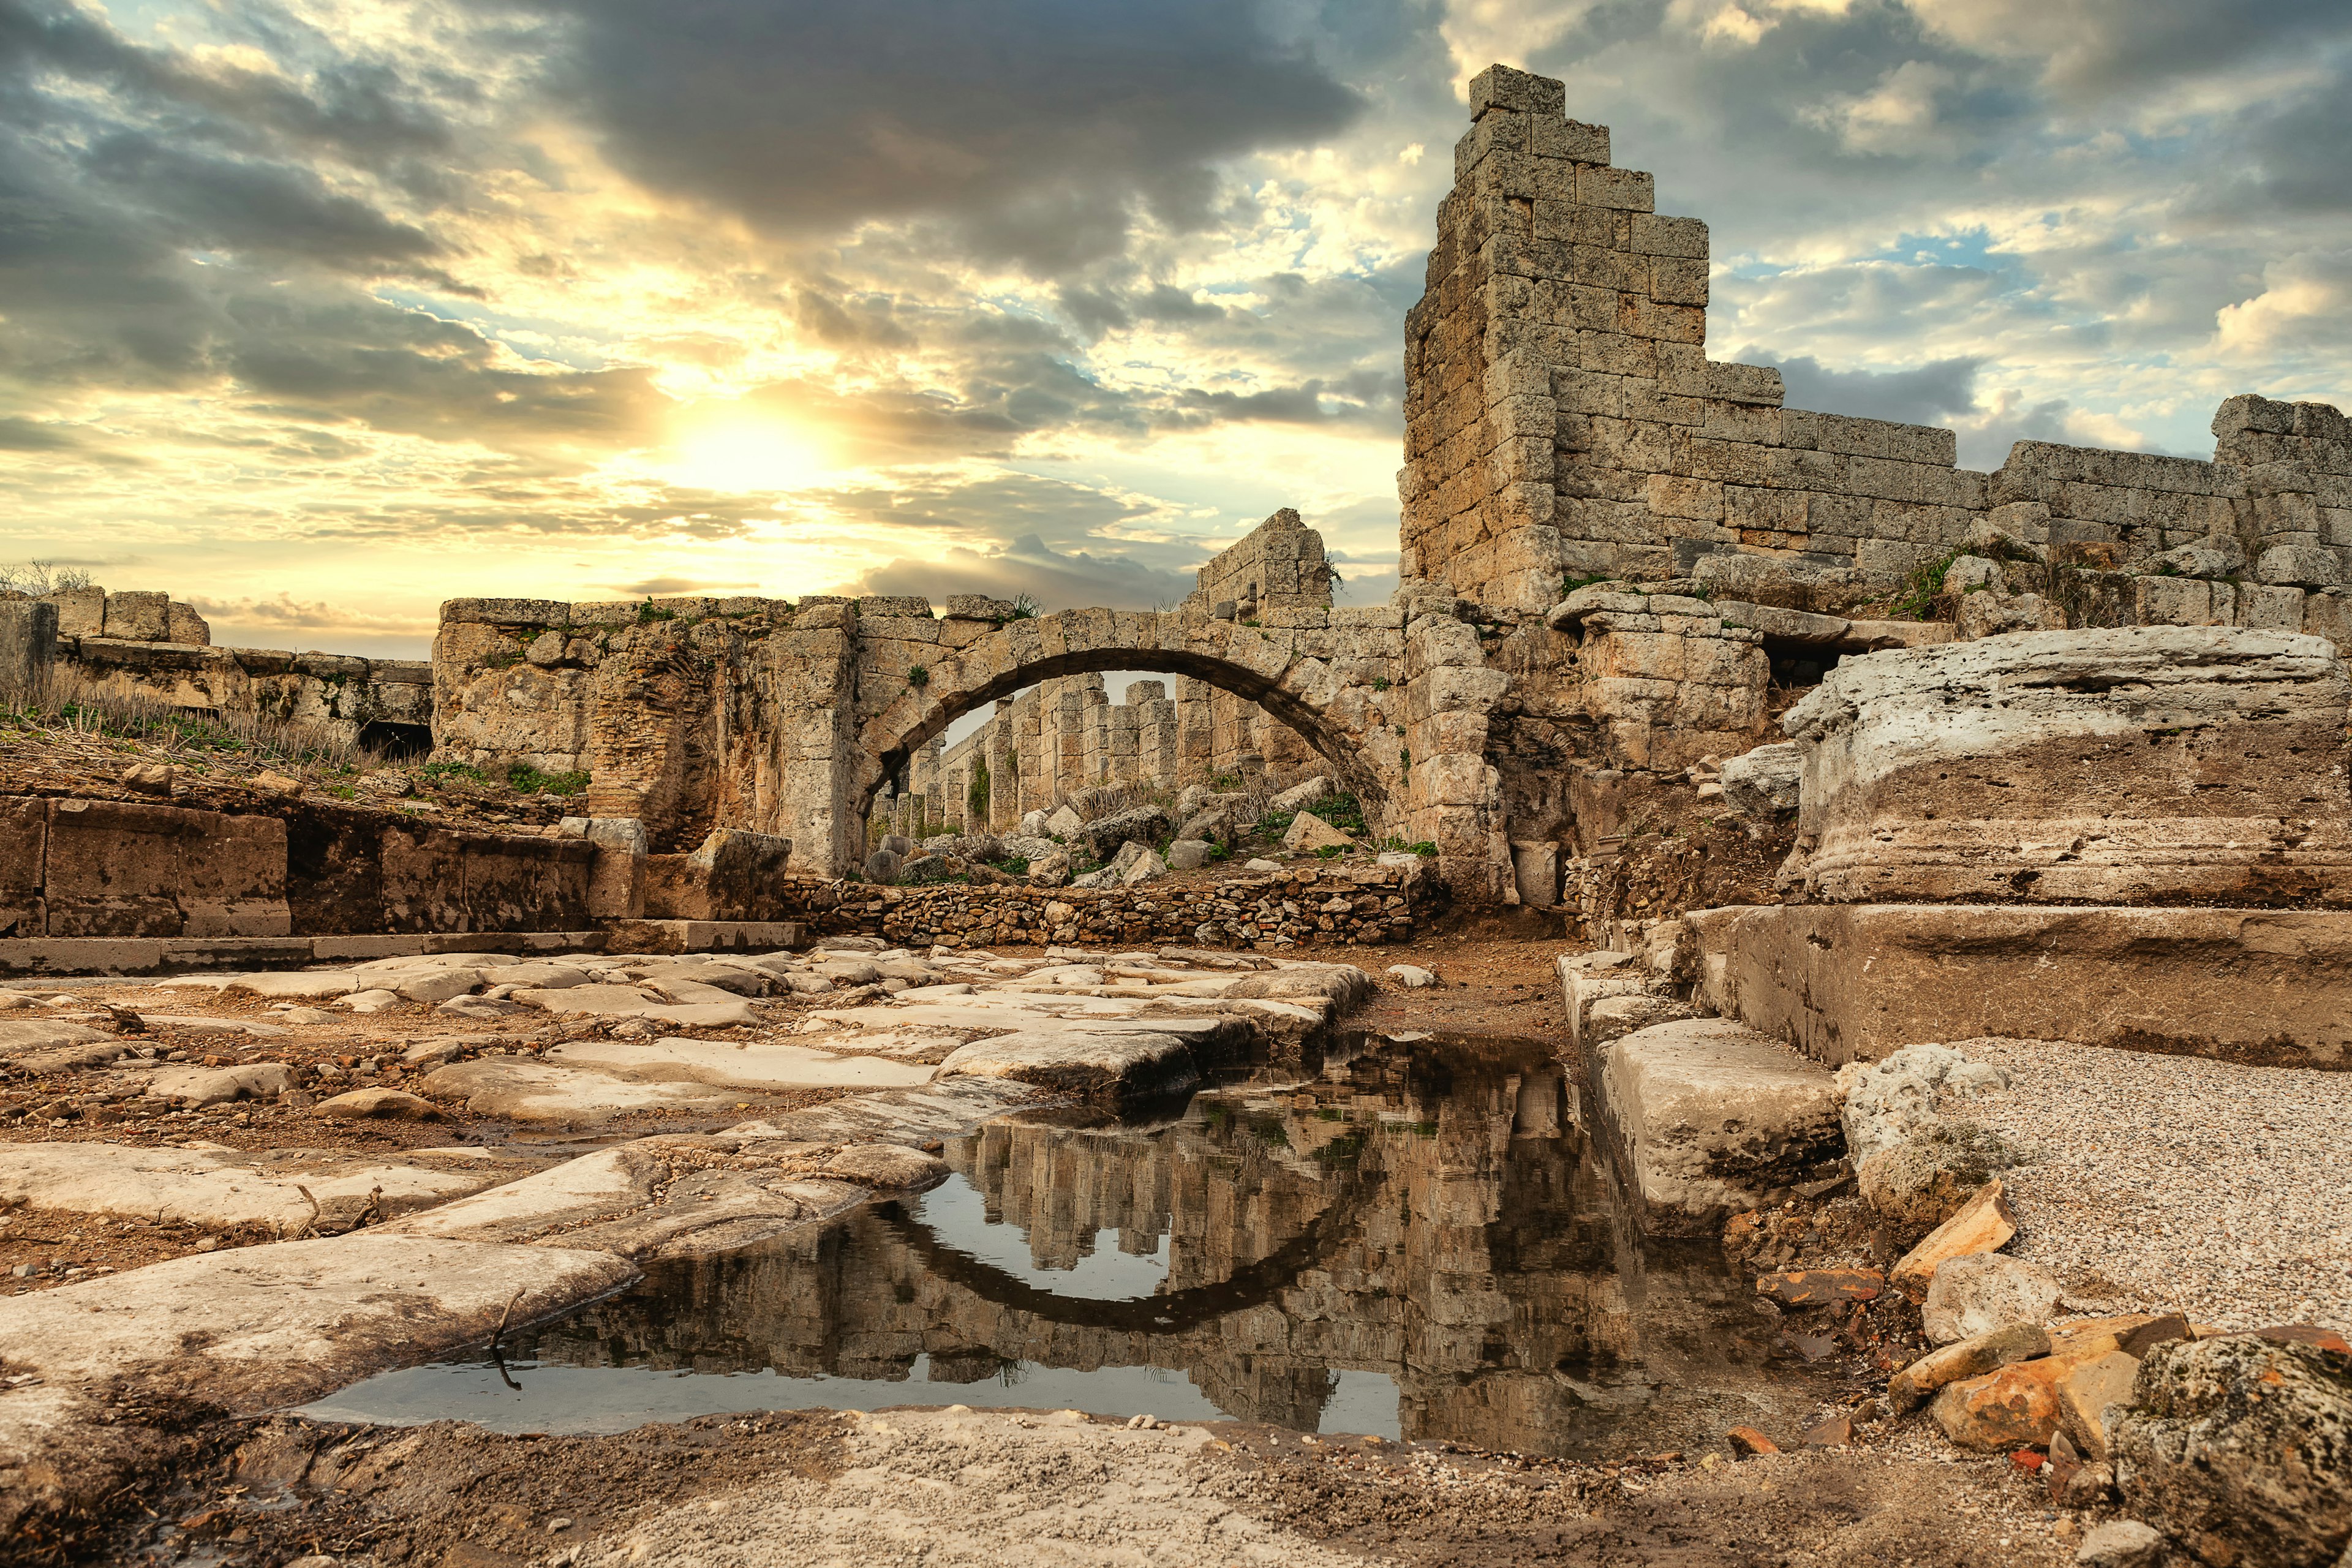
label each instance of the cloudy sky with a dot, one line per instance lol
(319, 312)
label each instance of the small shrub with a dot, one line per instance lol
(1330, 851)
(441, 773)
(1012, 865)
(1024, 608)
(1379, 683)
(1571, 584)
(918, 678)
(647, 614)
(1921, 589)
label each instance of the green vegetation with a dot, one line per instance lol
(975, 799)
(1012, 865)
(1024, 608)
(1921, 589)
(647, 614)
(524, 778)
(918, 678)
(1571, 584)
(1343, 812)
(1379, 683)
(1330, 851)
(1345, 1150)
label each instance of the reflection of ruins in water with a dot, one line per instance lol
(1429, 1213)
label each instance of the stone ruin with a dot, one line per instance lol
(1624, 563)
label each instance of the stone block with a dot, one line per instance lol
(1713, 1118)
(1848, 983)
(507, 613)
(24, 849)
(185, 626)
(81, 612)
(29, 645)
(138, 617)
(118, 868)
(2049, 766)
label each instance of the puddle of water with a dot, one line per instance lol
(1414, 1238)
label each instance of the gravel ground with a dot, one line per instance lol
(2180, 1184)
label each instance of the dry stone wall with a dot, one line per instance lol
(1323, 905)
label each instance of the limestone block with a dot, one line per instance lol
(81, 612)
(1309, 833)
(2300, 566)
(118, 868)
(2123, 765)
(29, 640)
(1714, 1117)
(138, 617)
(183, 626)
(1765, 783)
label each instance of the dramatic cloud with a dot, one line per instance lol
(330, 310)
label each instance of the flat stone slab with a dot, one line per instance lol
(1125, 1064)
(253, 1326)
(218, 1189)
(515, 1090)
(605, 1000)
(766, 1064)
(1714, 1118)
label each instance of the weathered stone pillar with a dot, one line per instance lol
(28, 646)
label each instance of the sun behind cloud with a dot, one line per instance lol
(740, 451)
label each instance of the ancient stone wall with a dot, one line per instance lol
(74, 868)
(1564, 422)
(1323, 904)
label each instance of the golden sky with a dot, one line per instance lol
(317, 314)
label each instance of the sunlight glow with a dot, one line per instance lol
(745, 453)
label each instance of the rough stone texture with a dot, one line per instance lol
(1714, 1118)
(1967, 1358)
(1765, 783)
(1889, 1100)
(1922, 1182)
(1986, 1292)
(2138, 764)
(2240, 1448)
(2014, 1408)
(1984, 1223)
(2121, 1543)
(1847, 983)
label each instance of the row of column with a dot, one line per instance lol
(1065, 735)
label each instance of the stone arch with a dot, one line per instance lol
(1293, 673)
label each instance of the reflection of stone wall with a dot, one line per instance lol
(1452, 1235)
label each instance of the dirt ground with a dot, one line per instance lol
(955, 1487)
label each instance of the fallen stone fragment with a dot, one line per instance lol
(1302, 794)
(438, 986)
(301, 985)
(1260, 866)
(21, 1036)
(2134, 1333)
(1923, 1181)
(1835, 1433)
(289, 1190)
(1764, 783)
(1821, 1286)
(2121, 1543)
(372, 1001)
(1614, 1017)
(761, 1064)
(2085, 1394)
(363, 1104)
(2083, 1485)
(1188, 854)
(1983, 1225)
(1980, 1293)
(484, 1008)
(2240, 1448)
(1887, 1099)
(1125, 1064)
(1309, 833)
(1747, 1442)
(519, 1090)
(1413, 976)
(1909, 1388)
(2014, 1408)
